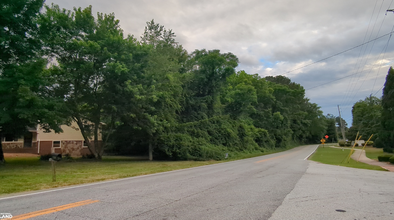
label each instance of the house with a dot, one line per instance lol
(36, 141)
(359, 143)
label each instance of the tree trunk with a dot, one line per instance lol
(150, 151)
(85, 137)
(2, 160)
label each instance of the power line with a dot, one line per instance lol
(337, 55)
(318, 61)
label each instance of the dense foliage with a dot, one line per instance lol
(366, 118)
(148, 96)
(24, 98)
(386, 132)
(374, 116)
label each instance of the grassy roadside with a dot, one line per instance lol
(336, 156)
(370, 152)
(28, 174)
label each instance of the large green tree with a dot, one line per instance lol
(386, 133)
(24, 98)
(366, 117)
(206, 77)
(154, 93)
(91, 71)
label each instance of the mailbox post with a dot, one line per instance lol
(53, 160)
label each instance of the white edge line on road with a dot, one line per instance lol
(311, 153)
(133, 177)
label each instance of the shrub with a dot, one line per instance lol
(342, 143)
(379, 143)
(45, 157)
(391, 160)
(388, 150)
(370, 143)
(348, 143)
(384, 158)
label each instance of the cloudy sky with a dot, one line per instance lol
(329, 47)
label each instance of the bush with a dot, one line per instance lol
(348, 143)
(379, 143)
(45, 157)
(370, 143)
(384, 158)
(388, 150)
(391, 160)
(342, 143)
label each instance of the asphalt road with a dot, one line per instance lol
(281, 185)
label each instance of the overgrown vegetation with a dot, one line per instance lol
(147, 96)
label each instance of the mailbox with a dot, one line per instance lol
(56, 157)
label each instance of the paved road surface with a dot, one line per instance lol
(247, 189)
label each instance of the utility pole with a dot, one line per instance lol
(342, 129)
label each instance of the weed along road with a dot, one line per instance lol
(278, 186)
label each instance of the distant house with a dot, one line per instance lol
(36, 141)
(359, 143)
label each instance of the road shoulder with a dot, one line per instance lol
(334, 192)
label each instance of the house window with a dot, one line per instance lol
(56, 144)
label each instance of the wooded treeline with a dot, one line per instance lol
(144, 95)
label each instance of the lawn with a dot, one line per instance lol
(373, 153)
(335, 156)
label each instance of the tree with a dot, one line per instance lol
(24, 98)
(366, 117)
(93, 60)
(18, 31)
(209, 72)
(240, 95)
(386, 133)
(159, 100)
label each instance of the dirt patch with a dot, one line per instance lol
(11, 155)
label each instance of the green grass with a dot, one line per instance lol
(373, 153)
(336, 156)
(28, 174)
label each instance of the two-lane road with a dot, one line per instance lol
(246, 189)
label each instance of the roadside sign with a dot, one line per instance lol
(326, 136)
(323, 141)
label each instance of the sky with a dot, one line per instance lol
(339, 51)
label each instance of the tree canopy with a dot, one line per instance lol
(147, 96)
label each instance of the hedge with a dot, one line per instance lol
(384, 158)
